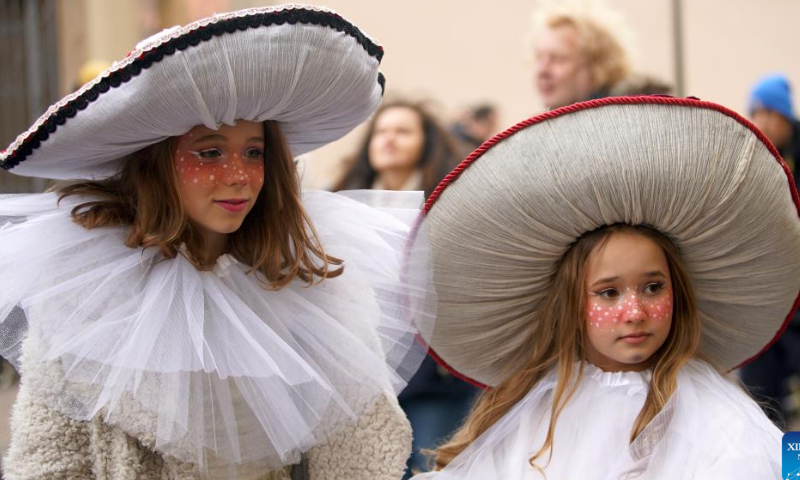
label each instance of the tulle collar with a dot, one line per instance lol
(222, 265)
(209, 366)
(616, 379)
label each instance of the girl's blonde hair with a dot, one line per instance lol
(558, 338)
(276, 238)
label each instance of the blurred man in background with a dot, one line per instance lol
(771, 110)
(475, 125)
(774, 377)
(577, 54)
(580, 54)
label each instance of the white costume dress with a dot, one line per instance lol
(209, 367)
(710, 429)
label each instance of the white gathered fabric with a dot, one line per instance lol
(710, 429)
(208, 366)
(316, 82)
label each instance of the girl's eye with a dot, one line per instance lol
(208, 154)
(608, 293)
(653, 288)
(254, 153)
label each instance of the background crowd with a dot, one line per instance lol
(457, 74)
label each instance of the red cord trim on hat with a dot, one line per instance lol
(450, 369)
(603, 102)
(128, 70)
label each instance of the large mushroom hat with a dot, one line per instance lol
(693, 170)
(307, 68)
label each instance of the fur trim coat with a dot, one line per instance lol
(48, 444)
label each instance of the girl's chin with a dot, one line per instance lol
(224, 227)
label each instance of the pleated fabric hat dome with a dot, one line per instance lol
(697, 172)
(305, 67)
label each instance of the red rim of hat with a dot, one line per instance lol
(602, 102)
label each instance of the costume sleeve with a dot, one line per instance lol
(45, 443)
(747, 452)
(741, 467)
(375, 447)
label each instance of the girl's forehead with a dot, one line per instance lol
(244, 128)
(626, 255)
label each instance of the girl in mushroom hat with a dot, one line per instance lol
(598, 269)
(183, 310)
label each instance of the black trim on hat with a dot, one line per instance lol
(192, 38)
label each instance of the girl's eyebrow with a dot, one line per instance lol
(212, 136)
(651, 274)
(218, 137)
(604, 280)
(654, 273)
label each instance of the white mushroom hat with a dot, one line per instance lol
(305, 67)
(694, 170)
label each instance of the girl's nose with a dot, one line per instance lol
(633, 311)
(234, 173)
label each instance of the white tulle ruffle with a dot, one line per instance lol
(709, 429)
(209, 366)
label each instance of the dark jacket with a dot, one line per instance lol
(432, 380)
(791, 152)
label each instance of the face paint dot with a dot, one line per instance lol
(211, 177)
(224, 166)
(196, 168)
(194, 181)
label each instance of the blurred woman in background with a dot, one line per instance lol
(407, 149)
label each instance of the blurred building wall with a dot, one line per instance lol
(460, 52)
(28, 74)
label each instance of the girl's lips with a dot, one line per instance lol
(234, 205)
(635, 338)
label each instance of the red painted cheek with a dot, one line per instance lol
(255, 174)
(599, 315)
(660, 309)
(194, 173)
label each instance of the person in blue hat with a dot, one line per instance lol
(770, 377)
(770, 109)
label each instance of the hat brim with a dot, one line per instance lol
(305, 67)
(696, 171)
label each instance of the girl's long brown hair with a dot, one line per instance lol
(276, 239)
(558, 338)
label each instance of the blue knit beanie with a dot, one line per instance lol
(772, 93)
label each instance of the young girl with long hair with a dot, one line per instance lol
(622, 255)
(182, 310)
